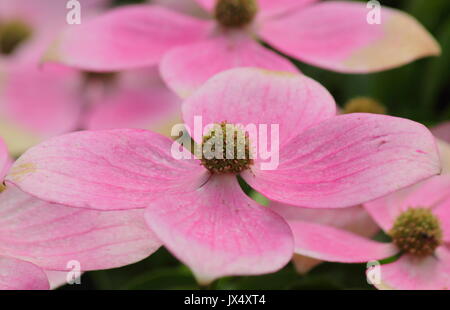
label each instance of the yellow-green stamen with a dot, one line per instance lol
(235, 13)
(417, 231)
(364, 105)
(226, 149)
(12, 35)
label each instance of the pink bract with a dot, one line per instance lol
(203, 218)
(40, 101)
(407, 272)
(334, 35)
(352, 219)
(37, 237)
(45, 18)
(442, 131)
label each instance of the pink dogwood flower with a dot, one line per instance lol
(353, 219)
(27, 28)
(416, 219)
(335, 35)
(34, 103)
(196, 207)
(38, 238)
(442, 134)
(442, 131)
(37, 102)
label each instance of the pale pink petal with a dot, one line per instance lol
(207, 4)
(412, 273)
(107, 170)
(53, 236)
(270, 8)
(348, 160)
(16, 138)
(131, 103)
(337, 245)
(442, 131)
(46, 18)
(57, 278)
(131, 109)
(36, 103)
(43, 101)
(444, 152)
(190, 7)
(303, 264)
(336, 35)
(45, 12)
(433, 193)
(267, 7)
(218, 231)
(128, 37)
(385, 210)
(443, 214)
(255, 96)
(353, 219)
(17, 274)
(186, 68)
(5, 160)
(442, 211)
(94, 3)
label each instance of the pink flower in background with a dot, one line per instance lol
(352, 219)
(187, 7)
(130, 99)
(37, 238)
(34, 103)
(416, 219)
(442, 134)
(27, 28)
(334, 35)
(442, 131)
(5, 160)
(201, 215)
(37, 102)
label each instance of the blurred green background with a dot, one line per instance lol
(419, 91)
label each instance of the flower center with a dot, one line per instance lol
(105, 78)
(417, 232)
(364, 105)
(235, 13)
(2, 187)
(12, 35)
(226, 149)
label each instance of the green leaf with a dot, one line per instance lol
(437, 75)
(164, 279)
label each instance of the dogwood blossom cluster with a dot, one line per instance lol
(88, 172)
